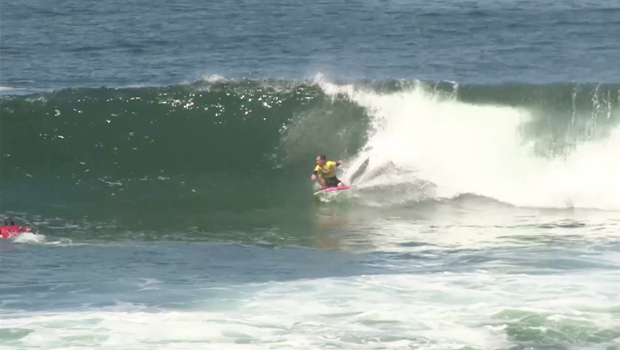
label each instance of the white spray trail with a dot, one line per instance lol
(465, 148)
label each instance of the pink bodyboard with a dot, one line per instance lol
(330, 189)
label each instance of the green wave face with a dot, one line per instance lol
(173, 152)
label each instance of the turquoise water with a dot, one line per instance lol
(163, 153)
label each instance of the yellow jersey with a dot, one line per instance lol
(327, 170)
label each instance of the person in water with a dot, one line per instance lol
(9, 229)
(325, 172)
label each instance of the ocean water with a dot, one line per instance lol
(163, 151)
